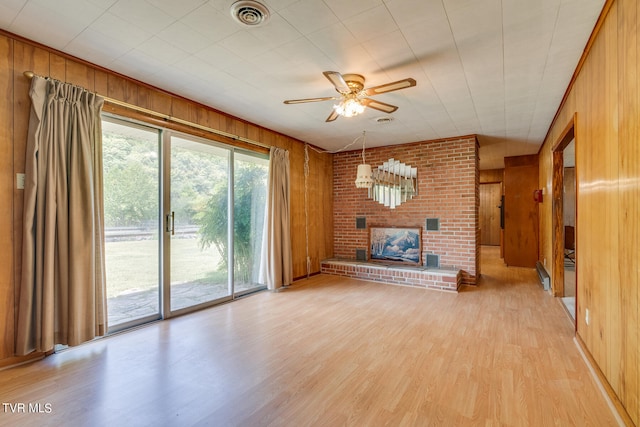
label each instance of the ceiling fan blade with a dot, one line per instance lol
(390, 87)
(338, 81)
(334, 115)
(300, 101)
(380, 106)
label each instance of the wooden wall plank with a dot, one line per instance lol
(629, 213)
(198, 114)
(298, 237)
(613, 293)
(120, 89)
(80, 74)
(491, 175)
(632, 350)
(241, 128)
(181, 109)
(57, 67)
(153, 100)
(7, 177)
(101, 82)
(253, 132)
(214, 117)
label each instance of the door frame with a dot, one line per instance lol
(565, 138)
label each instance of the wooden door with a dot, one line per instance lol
(520, 211)
(490, 195)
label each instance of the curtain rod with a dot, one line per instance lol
(30, 74)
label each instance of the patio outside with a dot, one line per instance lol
(132, 276)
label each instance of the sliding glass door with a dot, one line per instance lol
(250, 173)
(131, 170)
(203, 178)
(199, 223)
(179, 211)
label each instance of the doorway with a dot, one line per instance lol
(490, 200)
(569, 226)
(565, 259)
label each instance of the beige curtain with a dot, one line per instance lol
(276, 263)
(62, 293)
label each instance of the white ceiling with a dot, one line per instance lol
(495, 68)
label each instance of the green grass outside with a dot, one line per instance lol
(133, 265)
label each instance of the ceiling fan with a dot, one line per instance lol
(353, 95)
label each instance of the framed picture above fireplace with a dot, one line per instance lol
(395, 245)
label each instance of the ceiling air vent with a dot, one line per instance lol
(384, 120)
(250, 13)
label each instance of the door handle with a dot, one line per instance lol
(170, 223)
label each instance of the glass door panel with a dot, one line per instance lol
(199, 191)
(131, 168)
(249, 193)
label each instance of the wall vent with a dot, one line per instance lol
(361, 254)
(361, 223)
(432, 261)
(433, 224)
(545, 280)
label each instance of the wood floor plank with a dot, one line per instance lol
(330, 351)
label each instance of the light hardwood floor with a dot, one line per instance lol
(330, 351)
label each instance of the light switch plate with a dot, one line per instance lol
(20, 181)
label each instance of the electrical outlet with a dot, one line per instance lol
(586, 316)
(20, 181)
(544, 262)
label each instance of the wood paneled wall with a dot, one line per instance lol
(488, 176)
(605, 98)
(17, 56)
(569, 199)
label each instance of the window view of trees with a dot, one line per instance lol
(250, 199)
(250, 182)
(130, 167)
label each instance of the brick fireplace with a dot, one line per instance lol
(445, 208)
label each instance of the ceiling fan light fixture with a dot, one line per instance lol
(354, 98)
(349, 107)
